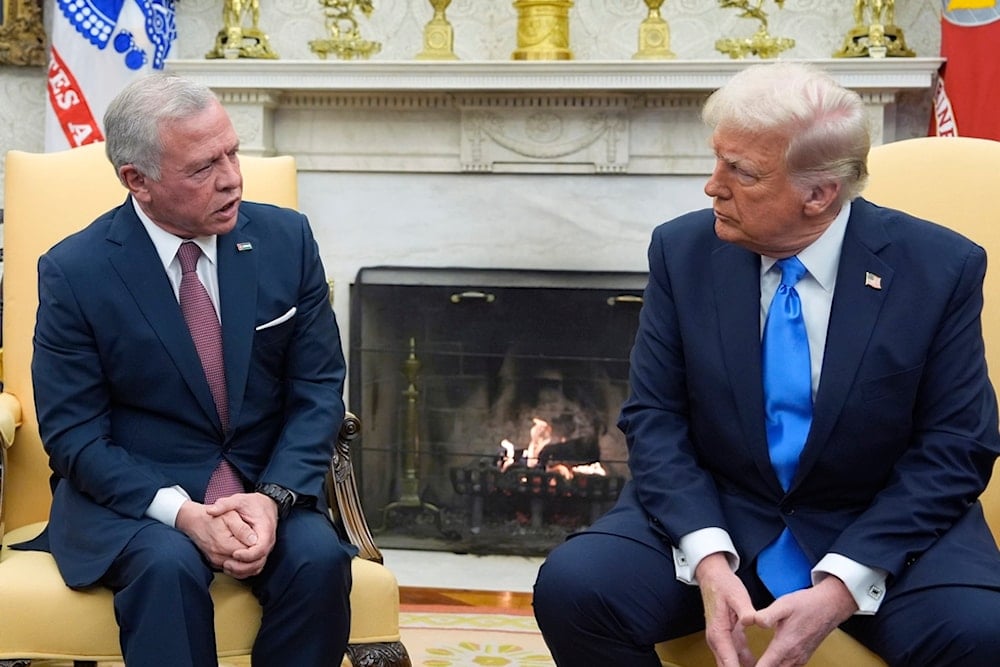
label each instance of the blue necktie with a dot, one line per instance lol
(782, 565)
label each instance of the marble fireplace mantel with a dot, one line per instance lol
(631, 117)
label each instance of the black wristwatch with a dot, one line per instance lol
(280, 495)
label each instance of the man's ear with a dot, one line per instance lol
(135, 181)
(821, 197)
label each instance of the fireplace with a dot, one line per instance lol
(489, 400)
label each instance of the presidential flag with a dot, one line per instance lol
(967, 97)
(98, 46)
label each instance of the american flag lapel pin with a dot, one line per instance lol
(873, 280)
(244, 246)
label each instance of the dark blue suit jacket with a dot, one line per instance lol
(904, 434)
(124, 408)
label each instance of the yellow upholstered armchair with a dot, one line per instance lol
(947, 180)
(47, 197)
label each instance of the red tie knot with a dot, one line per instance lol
(188, 255)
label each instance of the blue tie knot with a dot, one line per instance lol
(792, 270)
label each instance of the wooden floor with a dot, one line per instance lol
(503, 601)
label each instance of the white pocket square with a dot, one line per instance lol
(273, 323)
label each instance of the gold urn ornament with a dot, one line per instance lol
(654, 35)
(439, 36)
(542, 30)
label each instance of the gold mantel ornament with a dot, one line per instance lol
(22, 35)
(761, 43)
(654, 35)
(439, 36)
(345, 39)
(542, 30)
(875, 33)
(236, 39)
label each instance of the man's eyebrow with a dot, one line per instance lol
(740, 161)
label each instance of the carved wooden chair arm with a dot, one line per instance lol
(342, 492)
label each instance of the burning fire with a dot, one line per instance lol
(531, 456)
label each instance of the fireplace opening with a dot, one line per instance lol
(489, 399)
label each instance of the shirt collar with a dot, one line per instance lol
(166, 244)
(822, 256)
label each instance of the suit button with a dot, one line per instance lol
(788, 511)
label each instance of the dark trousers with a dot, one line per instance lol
(606, 600)
(165, 612)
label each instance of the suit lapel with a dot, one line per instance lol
(853, 314)
(134, 258)
(238, 254)
(736, 288)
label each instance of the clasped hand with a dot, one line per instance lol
(235, 533)
(800, 620)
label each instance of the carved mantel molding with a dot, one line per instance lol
(635, 117)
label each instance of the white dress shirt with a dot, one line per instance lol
(821, 259)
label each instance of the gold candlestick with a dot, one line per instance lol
(761, 43)
(875, 33)
(439, 36)
(542, 30)
(654, 35)
(236, 39)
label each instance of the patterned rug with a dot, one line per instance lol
(483, 638)
(443, 637)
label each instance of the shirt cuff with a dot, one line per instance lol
(695, 546)
(865, 584)
(166, 504)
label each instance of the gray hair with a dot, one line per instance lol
(826, 124)
(132, 121)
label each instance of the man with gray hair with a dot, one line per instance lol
(188, 377)
(810, 419)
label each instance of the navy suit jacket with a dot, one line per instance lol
(124, 408)
(904, 433)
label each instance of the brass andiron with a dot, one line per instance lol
(409, 496)
(542, 30)
(439, 36)
(236, 39)
(761, 43)
(345, 39)
(875, 33)
(654, 35)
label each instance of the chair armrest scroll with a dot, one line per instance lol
(345, 501)
(10, 419)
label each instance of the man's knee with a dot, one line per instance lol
(969, 637)
(314, 561)
(330, 566)
(565, 586)
(957, 627)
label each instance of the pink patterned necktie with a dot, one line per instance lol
(203, 322)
